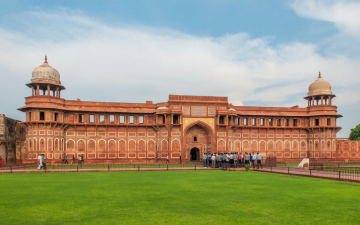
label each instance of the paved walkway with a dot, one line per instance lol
(101, 170)
(313, 173)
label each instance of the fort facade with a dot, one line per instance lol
(184, 125)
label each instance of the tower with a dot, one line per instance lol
(44, 114)
(322, 115)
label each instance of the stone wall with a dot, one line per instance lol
(12, 138)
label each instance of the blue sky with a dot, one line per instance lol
(263, 53)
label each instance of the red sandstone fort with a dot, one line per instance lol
(184, 125)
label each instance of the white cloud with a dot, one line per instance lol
(345, 14)
(98, 62)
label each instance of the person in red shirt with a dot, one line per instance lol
(0, 161)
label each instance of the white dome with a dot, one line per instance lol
(320, 87)
(45, 73)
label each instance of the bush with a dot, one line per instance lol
(247, 167)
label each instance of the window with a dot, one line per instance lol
(295, 122)
(287, 122)
(222, 120)
(246, 121)
(81, 118)
(262, 122)
(176, 119)
(42, 115)
(317, 122)
(279, 122)
(254, 121)
(162, 119)
(56, 116)
(92, 118)
(141, 119)
(328, 121)
(236, 121)
(131, 119)
(29, 116)
(270, 122)
(102, 118)
(122, 119)
(195, 139)
(112, 118)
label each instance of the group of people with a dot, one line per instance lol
(80, 160)
(42, 164)
(233, 158)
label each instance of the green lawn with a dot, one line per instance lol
(176, 197)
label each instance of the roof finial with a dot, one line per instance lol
(46, 59)
(319, 75)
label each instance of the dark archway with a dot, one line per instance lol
(194, 154)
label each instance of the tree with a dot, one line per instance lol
(355, 133)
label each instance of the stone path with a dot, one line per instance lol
(313, 173)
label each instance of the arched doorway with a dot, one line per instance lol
(194, 154)
(197, 136)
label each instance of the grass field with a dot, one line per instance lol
(176, 197)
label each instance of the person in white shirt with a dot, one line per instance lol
(40, 162)
(258, 157)
(167, 159)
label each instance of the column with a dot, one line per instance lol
(37, 90)
(59, 93)
(322, 100)
(48, 90)
(313, 98)
(329, 101)
(32, 91)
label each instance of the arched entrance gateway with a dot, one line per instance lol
(198, 138)
(194, 154)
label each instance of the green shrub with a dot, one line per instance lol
(247, 167)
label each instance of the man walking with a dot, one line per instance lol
(258, 157)
(167, 159)
(180, 158)
(40, 162)
(66, 162)
(82, 159)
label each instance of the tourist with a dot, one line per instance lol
(213, 160)
(167, 159)
(82, 159)
(231, 157)
(79, 159)
(223, 158)
(253, 160)
(247, 158)
(40, 162)
(218, 158)
(180, 158)
(43, 161)
(205, 159)
(0, 161)
(240, 158)
(258, 157)
(73, 160)
(66, 162)
(236, 158)
(209, 158)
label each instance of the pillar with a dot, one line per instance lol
(322, 100)
(329, 101)
(48, 90)
(32, 91)
(313, 99)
